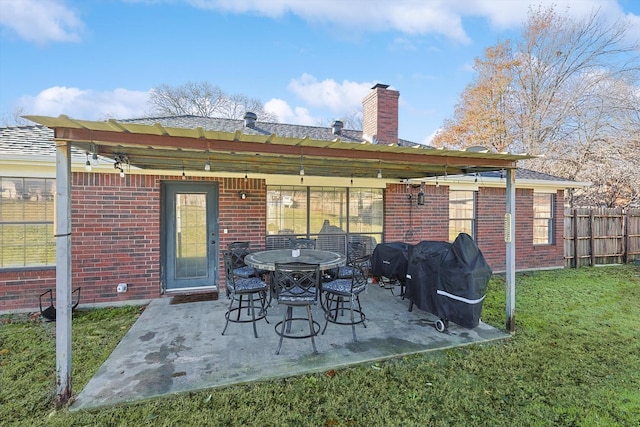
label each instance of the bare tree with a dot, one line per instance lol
(569, 94)
(351, 120)
(203, 99)
(15, 118)
(564, 64)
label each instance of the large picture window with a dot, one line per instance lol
(26, 222)
(462, 213)
(542, 219)
(331, 215)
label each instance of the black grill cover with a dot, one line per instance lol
(449, 280)
(424, 272)
(391, 260)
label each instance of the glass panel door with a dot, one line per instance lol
(190, 256)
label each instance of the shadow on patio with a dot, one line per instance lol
(177, 348)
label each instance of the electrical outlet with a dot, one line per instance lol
(122, 287)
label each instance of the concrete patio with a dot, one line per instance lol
(178, 348)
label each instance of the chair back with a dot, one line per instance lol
(277, 242)
(230, 280)
(297, 283)
(301, 243)
(355, 250)
(360, 274)
(238, 251)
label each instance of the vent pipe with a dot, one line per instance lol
(250, 120)
(337, 126)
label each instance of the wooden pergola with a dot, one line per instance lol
(155, 147)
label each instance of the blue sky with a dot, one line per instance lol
(308, 61)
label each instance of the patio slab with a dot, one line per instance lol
(178, 348)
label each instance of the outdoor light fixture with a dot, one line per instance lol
(207, 165)
(243, 195)
(421, 195)
(94, 158)
(120, 161)
(184, 176)
(379, 173)
(88, 164)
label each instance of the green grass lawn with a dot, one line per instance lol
(574, 361)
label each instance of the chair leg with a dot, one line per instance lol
(226, 315)
(362, 316)
(253, 315)
(353, 324)
(239, 308)
(329, 300)
(283, 326)
(311, 329)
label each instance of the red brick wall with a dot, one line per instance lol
(245, 220)
(116, 237)
(116, 233)
(20, 289)
(407, 222)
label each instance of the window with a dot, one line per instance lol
(542, 219)
(26, 222)
(332, 215)
(462, 213)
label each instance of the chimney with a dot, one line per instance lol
(250, 120)
(337, 126)
(380, 115)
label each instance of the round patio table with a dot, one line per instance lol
(266, 260)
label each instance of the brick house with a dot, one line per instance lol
(155, 201)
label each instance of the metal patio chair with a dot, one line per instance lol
(297, 285)
(238, 251)
(355, 250)
(250, 293)
(344, 294)
(302, 243)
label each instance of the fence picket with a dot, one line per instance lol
(601, 236)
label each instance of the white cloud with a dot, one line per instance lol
(337, 97)
(427, 140)
(286, 114)
(86, 104)
(408, 16)
(41, 21)
(634, 28)
(512, 14)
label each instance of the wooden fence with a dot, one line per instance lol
(595, 236)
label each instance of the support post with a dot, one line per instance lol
(592, 239)
(63, 272)
(511, 251)
(576, 256)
